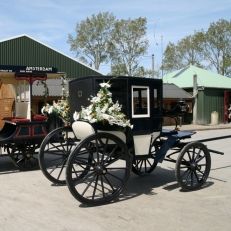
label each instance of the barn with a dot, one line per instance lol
(25, 51)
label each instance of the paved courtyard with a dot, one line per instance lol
(28, 201)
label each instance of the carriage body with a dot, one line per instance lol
(141, 100)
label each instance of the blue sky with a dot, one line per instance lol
(50, 21)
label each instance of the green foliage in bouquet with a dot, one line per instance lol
(103, 109)
(60, 108)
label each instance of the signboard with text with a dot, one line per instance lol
(28, 69)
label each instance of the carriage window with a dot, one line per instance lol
(156, 100)
(140, 102)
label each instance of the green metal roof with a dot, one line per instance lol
(27, 51)
(183, 78)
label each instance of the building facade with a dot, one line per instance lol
(212, 92)
(26, 51)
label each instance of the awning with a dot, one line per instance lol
(10, 77)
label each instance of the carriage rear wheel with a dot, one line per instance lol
(193, 166)
(23, 155)
(54, 152)
(145, 164)
(98, 169)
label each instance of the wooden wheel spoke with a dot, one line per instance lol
(104, 145)
(187, 172)
(62, 163)
(102, 185)
(111, 153)
(148, 162)
(198, 180)
(189, 156)
(87, 187)
(60, 172)
(191, 177)
(198, 154)
(200, 171)
(95, 187)
(141, 164)
(200, 158)
(109, 183)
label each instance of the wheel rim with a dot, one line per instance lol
(54, 152)
(98, 169)
(193, 166)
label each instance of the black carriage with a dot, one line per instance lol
(99, 157)
(24, 131)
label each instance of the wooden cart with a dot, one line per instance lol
(23, 133)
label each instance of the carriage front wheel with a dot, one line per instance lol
(98, 169)
(193, 166)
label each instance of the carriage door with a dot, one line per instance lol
(141, 119)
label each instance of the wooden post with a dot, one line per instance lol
(195, 92)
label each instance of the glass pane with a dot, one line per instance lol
(155, 99)
(140, 101)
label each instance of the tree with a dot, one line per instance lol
(187, 51)
(190, 49)
(171, 58)
(127, 45)
(217, 46)
(92, 37)
(210, 49)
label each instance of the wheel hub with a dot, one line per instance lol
(193, 166)
(100, 170)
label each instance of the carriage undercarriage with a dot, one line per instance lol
(97, 168)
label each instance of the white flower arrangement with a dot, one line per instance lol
(60, 109)
(103, 109)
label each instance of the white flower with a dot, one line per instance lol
(61, 109)
(105, 85)
(50, 110)
(102, 108)
(43, 110)
(76, 115)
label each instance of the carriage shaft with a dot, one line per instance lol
(215, 138)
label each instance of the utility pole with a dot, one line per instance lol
(162, 56)
(153, 66)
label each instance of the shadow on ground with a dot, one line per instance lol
(7, 166)
(139, 185)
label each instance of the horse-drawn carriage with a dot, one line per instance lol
(24, 131)
(94, 156)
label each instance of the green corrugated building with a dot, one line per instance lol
(26, 51)
(214, 91)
